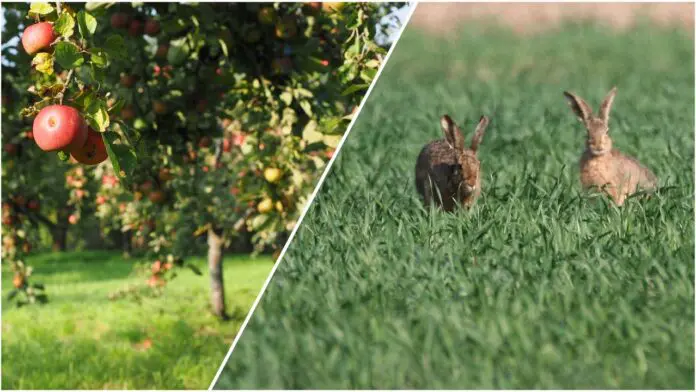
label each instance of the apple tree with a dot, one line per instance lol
(197, 122)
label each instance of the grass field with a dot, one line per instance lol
(81, 340)
(539, 285)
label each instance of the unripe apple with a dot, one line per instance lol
(272, 174)
(267, 15)
(332, 6)
(37, 37)
(265, 205)
(58, 127)
(93, 151)
(286, 28)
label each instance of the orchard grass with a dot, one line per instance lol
(83, 340)
(540, 285)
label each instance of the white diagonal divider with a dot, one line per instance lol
(412, 8)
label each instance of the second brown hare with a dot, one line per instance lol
(601, 165)
(447, 172)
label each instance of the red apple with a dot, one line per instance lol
(128, 112)
(33, 205)
(29, 135)
(152, 27)
(205, 142)
(73, 219)
(128, 80)
(226, 145)
(164, 175)
(57, 127)
(159, 107)
(162, 51)
(146, 186)
(238, 139)
(11, 148)
(93, 151)
(157, 196)
(136, 28)
(37, 36)
(101, 200)
(202, 105)
(120, 20)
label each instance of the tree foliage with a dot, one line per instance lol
(214, 115)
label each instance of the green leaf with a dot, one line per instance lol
(65, 25)
(368, 74)
(43, 62)
(178, 51)
(372, 64)
(355, 88)
(116, 47)
(86, 23)
(97, 115)
(12, 294)
(307, 107)
(63, 156)
(286, 97)
(310, 133)
(122, 158)
(99, 57)
(40, 8)
(93, 5)
(68, 55)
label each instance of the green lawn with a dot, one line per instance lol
(540, 285)
(82, 340)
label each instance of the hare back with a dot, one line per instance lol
(437, 172)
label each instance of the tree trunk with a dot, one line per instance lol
(217, 286)
(59, 233)
(126, 243)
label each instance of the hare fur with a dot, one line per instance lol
(446, 171)
(601, 165)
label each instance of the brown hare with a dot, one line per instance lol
(446, 171)
(602, 166)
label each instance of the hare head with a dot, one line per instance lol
(598, 141)
(466, 157)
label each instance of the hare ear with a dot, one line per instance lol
(605, 108)
(478, 134)
(579, 106)
(452, 133)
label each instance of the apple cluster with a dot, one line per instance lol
(61, 127)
